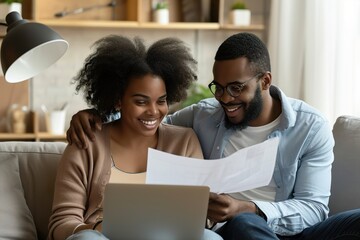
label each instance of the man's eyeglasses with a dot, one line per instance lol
(233, 89)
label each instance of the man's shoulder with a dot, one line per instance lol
(304, 109)
(196, 113)
(210, 103)
(296, 108)
(208, 107)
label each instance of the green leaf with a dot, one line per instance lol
(161, 5)
(10, 1)
(238, 5)
(196, 93)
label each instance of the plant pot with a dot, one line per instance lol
(240, 17)
(161, 16)
(6, 8)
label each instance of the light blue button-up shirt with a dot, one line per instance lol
(303, 166)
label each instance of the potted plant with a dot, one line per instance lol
(7, 6)
(239, 14)
(195, 93)
(161, 12)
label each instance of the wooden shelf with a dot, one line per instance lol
(15, 136)
(257, 27)
(90, 23)
(43, 136)
(35, 135)
(180, 25)
(148, 25)
(46, 135)
(138, 14)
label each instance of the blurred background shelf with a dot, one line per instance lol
(183, 14)
(202, 28)
(41, 136)
(17, 136)
(33, 133)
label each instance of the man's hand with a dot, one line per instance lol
(82, 126)
(223, 207)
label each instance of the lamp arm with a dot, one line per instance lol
(84, 9)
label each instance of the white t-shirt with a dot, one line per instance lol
(245, 138)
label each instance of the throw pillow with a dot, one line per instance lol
(16, 219)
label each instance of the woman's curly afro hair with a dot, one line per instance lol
(117, 59)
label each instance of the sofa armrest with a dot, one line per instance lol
(345, 192)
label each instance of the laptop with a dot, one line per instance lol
(154, 212)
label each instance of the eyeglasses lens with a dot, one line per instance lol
(217, 90)
(234, 89)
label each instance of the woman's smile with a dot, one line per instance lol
(150, 124)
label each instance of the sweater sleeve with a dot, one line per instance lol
(70, 196)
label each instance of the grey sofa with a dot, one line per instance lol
(27, 175)
(345, 190)
(28, 170)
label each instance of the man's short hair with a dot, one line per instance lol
(246, 45)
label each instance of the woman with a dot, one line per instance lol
(122, 76)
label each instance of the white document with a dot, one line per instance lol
(246, 169)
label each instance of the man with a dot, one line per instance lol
(247, 110)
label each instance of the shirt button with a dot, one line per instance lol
(217, 147)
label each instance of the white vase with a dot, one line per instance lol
(240, 17)
(161, 16)
(6, 8)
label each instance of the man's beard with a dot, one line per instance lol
(251, 112)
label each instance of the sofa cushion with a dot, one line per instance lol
(38, 163)
(345, 192)
(16, 219)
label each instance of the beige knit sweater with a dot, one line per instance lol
(83, 174)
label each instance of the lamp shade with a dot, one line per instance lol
(29, 48)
